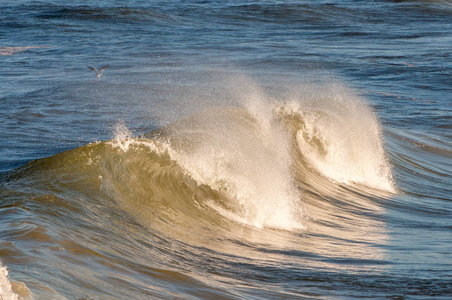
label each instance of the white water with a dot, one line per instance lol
(247, 160)
(342, 138)
(6, 292)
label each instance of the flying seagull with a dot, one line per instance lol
(98, 73)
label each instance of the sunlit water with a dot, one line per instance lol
(231, 150)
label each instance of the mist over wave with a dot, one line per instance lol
(340, 136)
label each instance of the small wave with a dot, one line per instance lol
(436, 5)
(14, 50)
(104, 14)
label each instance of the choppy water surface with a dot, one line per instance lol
(231, 149)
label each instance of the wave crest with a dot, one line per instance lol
(341, 138)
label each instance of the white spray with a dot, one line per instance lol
(6, 291)
(342, 139)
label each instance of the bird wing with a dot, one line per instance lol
(103, 68)
(91, 68)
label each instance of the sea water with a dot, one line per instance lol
(230, 150)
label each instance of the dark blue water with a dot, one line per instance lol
(333, 180)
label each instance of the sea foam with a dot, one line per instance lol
(6, 292)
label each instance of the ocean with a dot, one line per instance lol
(228, 150)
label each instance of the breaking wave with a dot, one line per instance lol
(248, 164)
